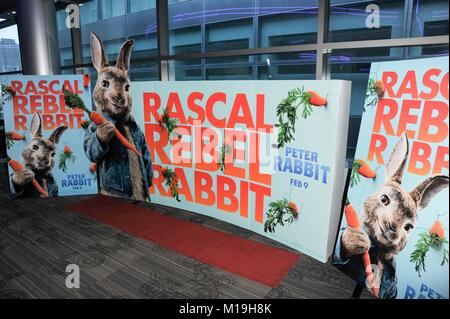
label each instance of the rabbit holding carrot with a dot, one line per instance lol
(389, 215)
(39, 159)
(122, 171)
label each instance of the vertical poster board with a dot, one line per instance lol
(290, 193)
(45, 138)
(399, 184)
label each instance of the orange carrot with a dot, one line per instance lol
(379, 87)
(67, 150)
(93, 167)
(15, 136)
(353, 221)
(86, 80)
(74, 101)
(365, 169)
(437, 229)
(316, 99)
(98, 119)
(293, 208)
(16, 166)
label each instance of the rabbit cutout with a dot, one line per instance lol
(121, 172)
(39, 159)
(390, 215)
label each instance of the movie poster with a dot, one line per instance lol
(394, 233)
(264, 155)
(44, 138)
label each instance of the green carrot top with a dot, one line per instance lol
(74, 101)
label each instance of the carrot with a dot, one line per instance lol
(15, 136)
(353, 221)
(316, 99)
(16, 166)
(293, 207)
(93, 167)
(11, 90)
(438, 229)
(365, 169)
(98, 119)
(67, 150)
(73, 101)
(86, 80)
(379, 87)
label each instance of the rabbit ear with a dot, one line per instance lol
(36, 126)
(123, 60)
(56, 134)
(99, 58)
(426, 190)
(397, 162)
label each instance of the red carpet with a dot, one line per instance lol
(259, 262)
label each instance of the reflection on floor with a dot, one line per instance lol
(39, 238)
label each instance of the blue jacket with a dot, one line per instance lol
(354, 268)
(29, 191)
(112, 162)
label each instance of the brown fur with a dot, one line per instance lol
(112, 97)
(39, 154)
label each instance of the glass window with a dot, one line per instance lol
(61, 17)
(113, 31)
(287, 66)
(429, 18)
(185, 40)
(112, 8)
(88, 12)
(10, 60)
(66, 56)
(145, 46)
(144, 71)
(186, 70)
(288, 23)
(230, 35)
(66, 71)
(229, 73)
(349, 21)
(141, 5)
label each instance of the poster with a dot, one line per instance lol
(216, 150)
(44, 138)
(399, 185)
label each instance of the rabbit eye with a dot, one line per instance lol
(34, 147)
(408, 227)
(53, 154)
(105, 84)
(127, 87)
(385, 200)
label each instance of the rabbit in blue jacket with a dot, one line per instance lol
(122, 173)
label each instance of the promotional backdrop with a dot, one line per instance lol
(402, 143)
(45, 136)
(230, 164)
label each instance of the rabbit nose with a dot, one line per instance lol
(43, 160)
(118, 98)
(391, 227)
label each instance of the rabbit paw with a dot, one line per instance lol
(354, 242)
(23, 177)
(105, 132)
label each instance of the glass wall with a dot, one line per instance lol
(253, 39)
(115, 21)
(9, 50)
